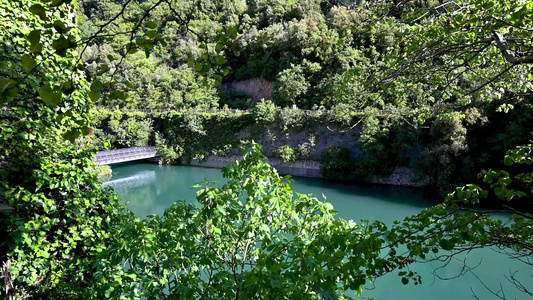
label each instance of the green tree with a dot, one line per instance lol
(63, 217)
(290, 85)
(251, 238)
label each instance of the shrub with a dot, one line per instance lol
(341, 113)
(169, 154)
(305, 149)
(235, 99)
(264, 111)
(336, 163)
(286, 153)
(134, 133)
(290, 85)
(290, 118)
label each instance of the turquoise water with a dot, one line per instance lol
(149, 189)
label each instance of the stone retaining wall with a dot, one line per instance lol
(401, 176)
(303, 168)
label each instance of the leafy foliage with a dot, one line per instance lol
(62, 218)
(287, 153)
(336, 163)
(264, 111)
(251, 238)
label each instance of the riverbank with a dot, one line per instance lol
(401, 176)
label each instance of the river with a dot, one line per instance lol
(150, 189)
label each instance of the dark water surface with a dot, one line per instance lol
(150, 189)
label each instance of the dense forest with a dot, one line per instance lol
(448, 101)
(452, 80)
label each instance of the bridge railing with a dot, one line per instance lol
(309, 112)
(123, 155)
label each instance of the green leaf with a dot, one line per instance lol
(198, 66)
(110, 57)
(128, 84)
(218, 78)
(104, 68)
(446, 244)
(34, 38)
(28, 62)
(225, 71)
(67, 88)
(49, 96)
(237, 53)
(61, 45)
(202, 46)
(221, 60)
(86, 130)
(96, 90)
(223, 38)
(38, 9)
(116, 94)
(60, 2)
(218, 47)
(150, 24)
(150, 33)
(232, 32)
(60, 27)
(508, 161)
(131, 48)
(8, 90)
(190, 62)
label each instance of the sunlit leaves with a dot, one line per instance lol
(56, 3)
(62, 228)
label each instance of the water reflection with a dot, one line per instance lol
(139, 179)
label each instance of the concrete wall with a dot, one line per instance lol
(401, 176)
(303, 168)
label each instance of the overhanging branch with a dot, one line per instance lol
(508, 55)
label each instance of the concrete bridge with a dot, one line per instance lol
(123, 155)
